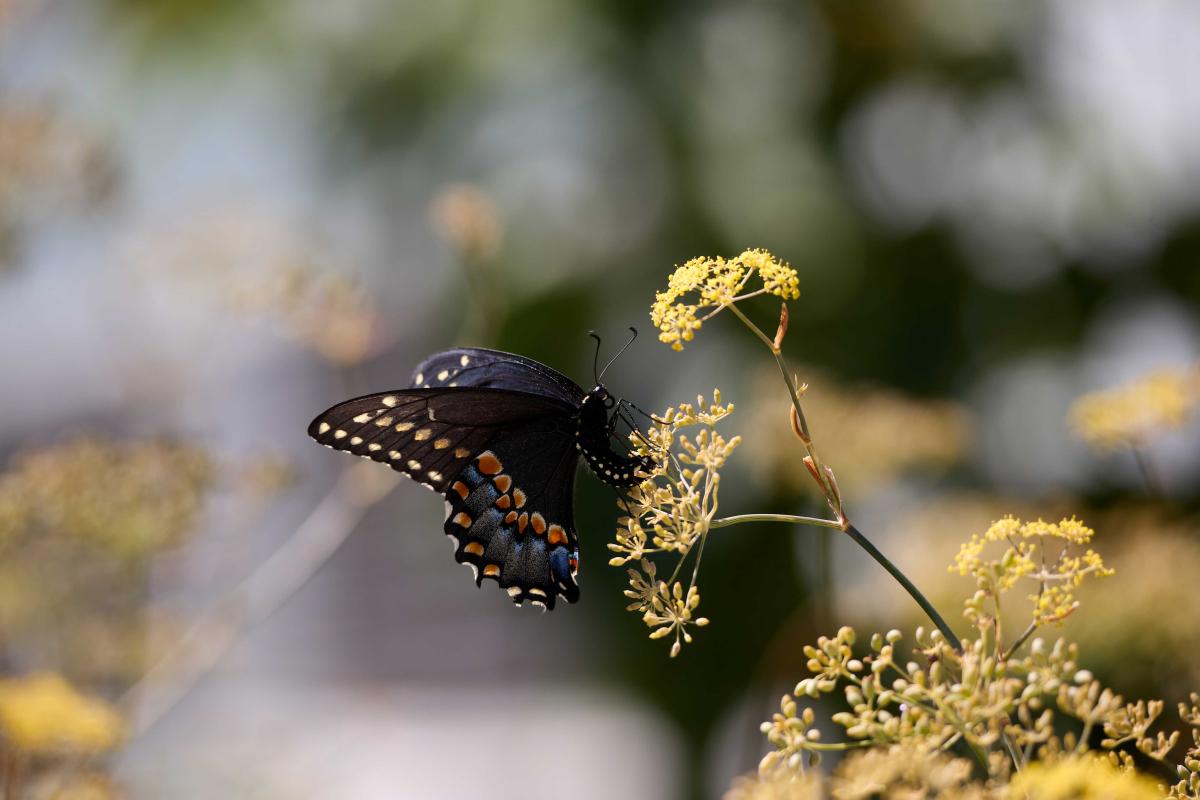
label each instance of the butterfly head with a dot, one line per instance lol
(599, 394)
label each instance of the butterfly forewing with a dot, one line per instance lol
(480, 367)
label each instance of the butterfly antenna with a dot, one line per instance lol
(645, 414)
(633, 331)
(595, 356)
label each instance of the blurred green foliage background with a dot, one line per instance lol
(219, 218)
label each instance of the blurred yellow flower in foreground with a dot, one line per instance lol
(43, 714)
(1092, 778)
(56, 786)
(1136, 412)
(716, 283)
(777, 786)
(899, 771)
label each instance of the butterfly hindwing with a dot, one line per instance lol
(510, 514)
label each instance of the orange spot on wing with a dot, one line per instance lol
(522, 522)
(462, 519)
(539, 523)
(489, 464)
(520, 498)
(557, 535)
(510, 518)
(503, 483)
(503, 501)
(461, 488)
(491, 571)
(474, 548)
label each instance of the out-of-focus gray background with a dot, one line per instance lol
(218, 218)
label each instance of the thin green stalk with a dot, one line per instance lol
(862, 541)
(825, 576)
(1012, 752)
(725, 522)
(902, 579)
(1020, 641)
(834, 747)
(974, 747)
(757, 331)
(1150, 476)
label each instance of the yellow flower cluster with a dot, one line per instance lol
(1189, 772)
(673, 507)
(671, 612)
(716, 283)
(1134, 413)
(1040, 551)
(671, 512)
(42, 714)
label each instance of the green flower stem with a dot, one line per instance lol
(902, 579)
(863, 542)
(757, 331)
(835, 747)
(793, 392)
(1012, 752)
(833, 497)
(725, 522)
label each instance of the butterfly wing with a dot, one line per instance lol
(510, 513)
(480, 367)
(504, 460)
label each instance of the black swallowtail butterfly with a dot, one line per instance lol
(500, 436)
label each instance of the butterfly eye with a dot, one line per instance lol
(609, 402)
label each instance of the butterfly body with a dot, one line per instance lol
(592, 434)
(500, 436)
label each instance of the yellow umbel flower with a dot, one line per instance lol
(716, 283)
(1040, 551)
(670, 512)
(1135, 413)
(43, 714)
